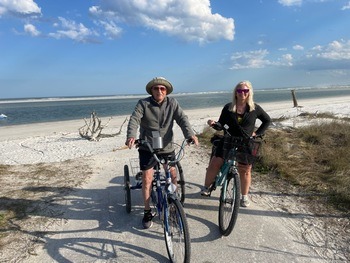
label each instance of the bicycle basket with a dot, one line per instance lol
(231, 145)
(244, 150)
(249, 152)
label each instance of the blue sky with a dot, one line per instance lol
(111, 47)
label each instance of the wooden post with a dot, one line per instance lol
(295, 102)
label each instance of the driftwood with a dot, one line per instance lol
(92, 130)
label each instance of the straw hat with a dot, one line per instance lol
(159, 81)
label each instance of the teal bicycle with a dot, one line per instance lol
(228, 177)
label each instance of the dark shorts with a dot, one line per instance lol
(147, 160)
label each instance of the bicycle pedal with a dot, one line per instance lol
(138, 176)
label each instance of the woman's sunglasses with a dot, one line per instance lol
(245, 91)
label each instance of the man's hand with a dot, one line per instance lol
(130, 142)
(194, 139)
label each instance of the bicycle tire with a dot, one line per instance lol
(176, 233)
(127, 194)
(229, 203)
(181, 189)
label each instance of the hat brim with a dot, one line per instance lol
(159, 81)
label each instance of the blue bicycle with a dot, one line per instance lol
(167, 203)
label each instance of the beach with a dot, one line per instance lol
(55, 143)
(60, 141)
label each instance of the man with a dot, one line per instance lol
(156, 114)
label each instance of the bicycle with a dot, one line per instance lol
(228, 178)
(167, 203)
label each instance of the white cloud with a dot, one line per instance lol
(346, 7)
(250, 59)
(112, 31)
(31, 30)
(290, 2)
(286, 60)
(334, 56)
(72, 30)
(336, 50)
(298, 47)
(191, 20)
(19, 7)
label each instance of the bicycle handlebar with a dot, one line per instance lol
(178, 156)
(218, 126)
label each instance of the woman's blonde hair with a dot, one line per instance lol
(250, 102)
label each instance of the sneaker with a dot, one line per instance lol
(205, 191)
(245, 203)
(147, 219)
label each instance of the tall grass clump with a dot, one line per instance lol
(314, 157)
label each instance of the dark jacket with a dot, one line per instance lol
(151, 116)
(247, 127)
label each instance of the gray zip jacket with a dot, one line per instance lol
(150, 116)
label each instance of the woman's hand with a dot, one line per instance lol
(211, 122)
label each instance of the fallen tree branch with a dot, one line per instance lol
(92, 130)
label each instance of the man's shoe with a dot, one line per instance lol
(147, 219)
(245, 203)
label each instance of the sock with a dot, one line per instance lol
(245, 197)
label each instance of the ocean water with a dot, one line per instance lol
(35, 110)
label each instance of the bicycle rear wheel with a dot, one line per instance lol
(180, 183)
(176, 233)
(127, 189)
(229, 203)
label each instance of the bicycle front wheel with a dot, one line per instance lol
(176, 233)
(229, 203)
(127, 189)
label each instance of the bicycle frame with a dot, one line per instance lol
(163, 188)
(221, 178)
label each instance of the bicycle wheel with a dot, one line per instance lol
(229, 203)
(176, 233)
(127, 189)
(180, 183)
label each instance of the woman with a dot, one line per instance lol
(240, 115)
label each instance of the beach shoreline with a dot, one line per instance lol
(335, 105)
(60, 141)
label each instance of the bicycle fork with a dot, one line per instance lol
(225, 171)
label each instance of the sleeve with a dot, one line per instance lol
(182, 120)
(264, 118)
(223, 116)
(135, 120)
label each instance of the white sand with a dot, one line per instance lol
(60, 141)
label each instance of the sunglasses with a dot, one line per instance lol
(159, 88)
(245, 91)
